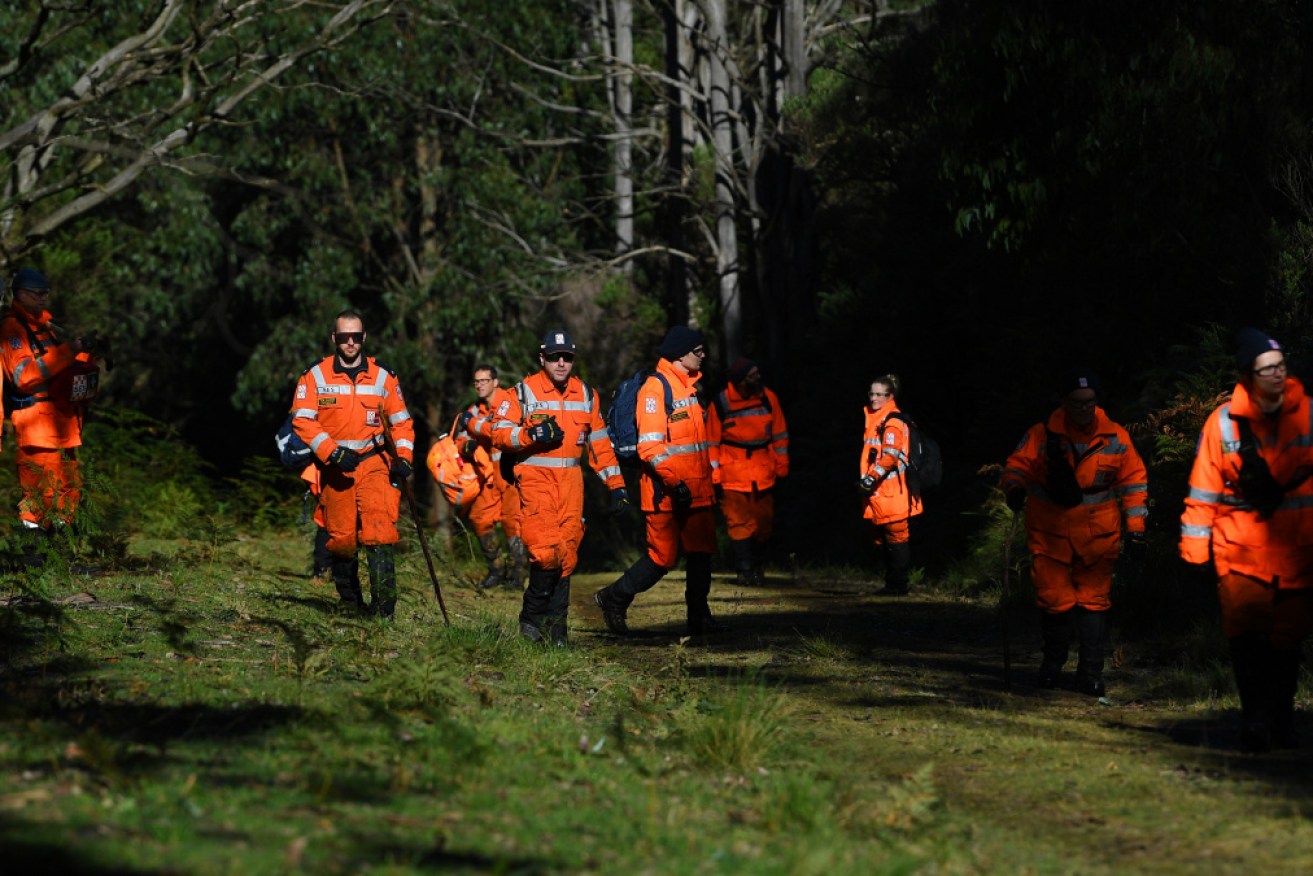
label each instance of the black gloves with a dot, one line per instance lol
(546, 432)
(1137, 548)
(682, 496)
(345, 459)
(399, 470)
(89, 342)
(867, 484)
(465, 418)
(619, 501)
(1017, 499)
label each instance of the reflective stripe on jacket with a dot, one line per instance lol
(884, 457)
(47, 421)
(674, 447)
(750, 449)
(1279, 548)
(330, 410)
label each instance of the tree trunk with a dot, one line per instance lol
(727, 256)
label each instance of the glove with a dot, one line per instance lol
(546, 432)
(345, 459)
(399, 470)
(1137, 548)
(89, 342)
(465, 418)
(1016, 499)
(682, 496)
(867, 484)
(720, 492)
(619, 501)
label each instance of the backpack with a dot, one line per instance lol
(457, 476)
(722, 404)
(622, 415)
(293, 453)
(925, 465)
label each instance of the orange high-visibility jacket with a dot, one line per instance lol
(749, 449)
(1279, 548)
(1108, 470)
(33, 359)
(485, 415)
(577, 411)
(330, 410)
(884, 457)
(673, 447)
(460, 476)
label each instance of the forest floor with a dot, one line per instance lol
(214, 712)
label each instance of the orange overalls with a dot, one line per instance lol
(748, 450)
(47, 419)
(673, 447)
(508, 497)
(331, 409)
(550, 482)
(1073, 549)
(885, 444)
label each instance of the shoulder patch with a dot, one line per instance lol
(15, 342)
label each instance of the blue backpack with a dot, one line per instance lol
(622, 415)
(293, 453)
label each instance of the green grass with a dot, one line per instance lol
(212, 712)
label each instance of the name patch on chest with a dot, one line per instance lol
(678, 415)
(329, 401)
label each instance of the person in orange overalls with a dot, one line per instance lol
(1075, 475)
(748, 443)
(338, 410)
(1250, 513)
(550, 423)
(678, 491)
(46, 385)
(883, 478)
(499, 500)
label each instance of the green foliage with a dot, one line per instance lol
(739, 732)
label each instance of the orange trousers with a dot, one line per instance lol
(359, 508)
(1061, 586)
(693, 530)
(51, 485)
(748, 515)
(551, 518)
(1253, 606)
(893, 532)
(485, 511)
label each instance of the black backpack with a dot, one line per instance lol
(925, 465)
(622, 415)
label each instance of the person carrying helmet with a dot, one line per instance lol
(499, 499)
(551, 422)
(677, 488)
(338, 410)
(1075, 476)
(882, 472)
(748, 444)
(1250, 513)
(48, 382)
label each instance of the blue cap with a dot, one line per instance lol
(556, 341)
(30, 278)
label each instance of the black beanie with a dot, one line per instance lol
(740, 369)
(680, 341)
(1080, 378)
(1250, 343)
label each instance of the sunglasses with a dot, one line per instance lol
(559, 357)
(349, 337)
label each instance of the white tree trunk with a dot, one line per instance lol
(622, 84)
(722, 136)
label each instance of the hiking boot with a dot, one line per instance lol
(705, 623)
(1090, 686)
(557, 635)
(531, 632)
(613, 613)
(1050, 675)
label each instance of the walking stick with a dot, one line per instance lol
(414, 515)
(1003, 602)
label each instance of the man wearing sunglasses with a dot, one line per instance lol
(1075, 475)
(338, 410)
(1250, 513)
(551, 423)
(678, 493)
(46, 390)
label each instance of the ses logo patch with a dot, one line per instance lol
(649, 405)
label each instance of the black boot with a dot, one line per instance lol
(323, 560)
(539, 597)
(758, 563)
(697, 587)
(741, 548)
(1093, 628)
(1057, 629)
(558, 611)
(1283, 681)
(491, 547)
(346, 578)
(614, 600)
(382, 563)
(518, 567)
(1250, 659)
(898, 569)
(34, 540)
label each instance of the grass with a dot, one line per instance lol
(212, 712)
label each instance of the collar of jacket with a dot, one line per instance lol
(542, 383)
(732, 393)
(38, 320)
(1244, 405)
(668, 368)
(1102, 424)
(353, 373)
(876, 416)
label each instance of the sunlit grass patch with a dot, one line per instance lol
(739, 730)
